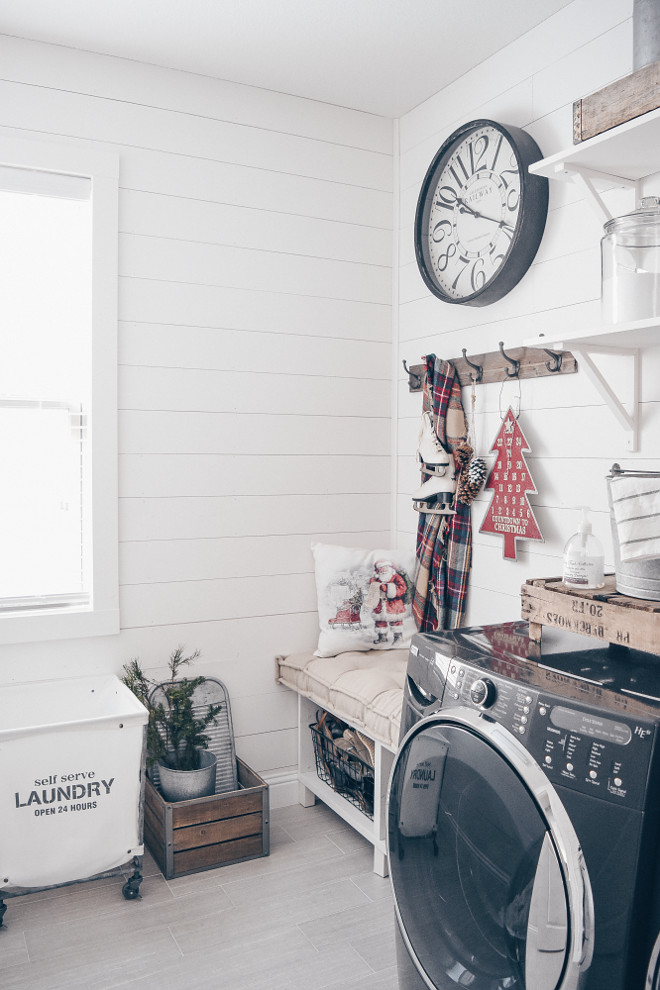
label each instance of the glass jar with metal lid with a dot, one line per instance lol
(630, 265)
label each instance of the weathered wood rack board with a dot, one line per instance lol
(602, 614)
(498, 366)
(200, 834)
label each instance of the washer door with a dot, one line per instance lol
(653, 974)
(490, 886)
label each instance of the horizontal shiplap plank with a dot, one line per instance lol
(265, 392)
(223, 598)
(227, 433)
(424, 329)
(490, 606)
(241, 652)
(153, 301)
(129, 81)
(268, 750)
(587, 68)
(562, 432)
(189, 345)
(572, 278)
(157, 561)
(251, 226)
(255, 270)
(211, 517)
(113, 122)
(264, 714)
(174, 475)
(254, 187)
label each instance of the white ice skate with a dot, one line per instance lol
(433, 457)
(436, 496)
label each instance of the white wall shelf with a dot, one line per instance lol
(641, 333)
(620, 157)
(628, 152)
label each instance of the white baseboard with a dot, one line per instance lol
(282, 788)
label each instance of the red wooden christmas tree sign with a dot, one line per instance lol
(510, 513)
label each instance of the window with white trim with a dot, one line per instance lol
(58, 454)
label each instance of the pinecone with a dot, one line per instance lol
(471, 480)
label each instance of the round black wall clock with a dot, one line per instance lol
(480, 214)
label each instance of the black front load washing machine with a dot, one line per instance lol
(523, 814)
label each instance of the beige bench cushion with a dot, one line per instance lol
(363, 689)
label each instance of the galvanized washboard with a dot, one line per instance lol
(220, 733)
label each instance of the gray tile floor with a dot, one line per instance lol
(310, 915)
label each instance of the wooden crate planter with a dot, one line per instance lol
(189, 836)
(602, 614)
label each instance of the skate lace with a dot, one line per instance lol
(426, 419)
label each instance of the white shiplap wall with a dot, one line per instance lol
(255, 344)
(573, 436)
(255, 257)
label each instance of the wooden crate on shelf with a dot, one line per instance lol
(203, 833)
(602, 614)
(617, 103)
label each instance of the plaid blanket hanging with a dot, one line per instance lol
(444, 543)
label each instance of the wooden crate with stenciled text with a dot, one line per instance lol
(601, 614)
(620, 101)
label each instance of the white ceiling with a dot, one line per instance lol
(381, 56)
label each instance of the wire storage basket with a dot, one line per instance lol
(339, 766)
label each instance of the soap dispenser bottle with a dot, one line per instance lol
(583, 558)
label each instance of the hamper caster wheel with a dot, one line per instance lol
(131, 889)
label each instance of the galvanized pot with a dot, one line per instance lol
(183, 785)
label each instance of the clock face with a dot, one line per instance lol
(480, 215)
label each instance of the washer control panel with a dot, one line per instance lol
(506, 701)
(597, 753)
(603, 754)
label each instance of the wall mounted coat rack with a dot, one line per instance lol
(499, 366)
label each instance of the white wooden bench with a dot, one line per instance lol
(365, 690)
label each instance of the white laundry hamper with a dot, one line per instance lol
(72, 757)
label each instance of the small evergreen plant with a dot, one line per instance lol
(175, 732)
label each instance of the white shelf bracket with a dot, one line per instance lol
(587, 178)
(629, 421)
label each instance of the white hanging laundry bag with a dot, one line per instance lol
(72, 756)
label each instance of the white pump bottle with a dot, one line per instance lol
(583, 558)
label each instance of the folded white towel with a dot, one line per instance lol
(636, 508)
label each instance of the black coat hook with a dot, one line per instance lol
(514, 364)
(556, 360)
(477, 367)
(414, 380)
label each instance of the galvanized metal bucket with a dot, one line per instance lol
(634, 498)
(182, 785)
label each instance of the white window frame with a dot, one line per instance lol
(101, 616)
